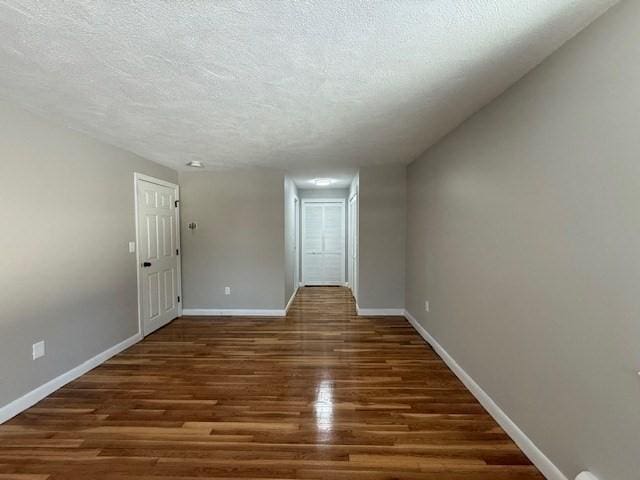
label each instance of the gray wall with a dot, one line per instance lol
(66, 275)
(382, 231)
(290, 252)
(523, 232)
(239, 241)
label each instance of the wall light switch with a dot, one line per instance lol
(37, 349)
(227, 290)
(426, 306)
(132, 247)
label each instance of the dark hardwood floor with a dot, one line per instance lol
(320, 394)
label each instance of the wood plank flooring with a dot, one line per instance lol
(320, 394)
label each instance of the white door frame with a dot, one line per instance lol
(341, 202)
(296, 223)
(136, 178)
(353, 245)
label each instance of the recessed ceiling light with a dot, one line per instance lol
(323, 182)
(195, 164)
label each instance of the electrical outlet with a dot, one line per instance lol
(426, 305)
(132, 247)
(37, 349)
(227, 290)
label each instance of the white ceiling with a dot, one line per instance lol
(310, 85)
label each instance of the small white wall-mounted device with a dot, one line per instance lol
(586, 476)
(37, 349)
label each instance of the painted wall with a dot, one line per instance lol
(382, 227)
(290, 249)
(524, 233)
(239, 241)
(66, 275)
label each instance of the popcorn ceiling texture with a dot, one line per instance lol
(274, 83)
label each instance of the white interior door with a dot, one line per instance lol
(158, 253)
(353, 245)
(323, 230)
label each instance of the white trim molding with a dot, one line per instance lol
(286, 309)
(537, 457)
(231, 312)
(325, 284)
(380, 312)
(34, 396)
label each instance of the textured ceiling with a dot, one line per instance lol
(310, 84)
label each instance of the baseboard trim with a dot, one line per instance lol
(34, 396)
(324, 284)
(380, 312)
(231, 312)
(286, 309)
(537, 457)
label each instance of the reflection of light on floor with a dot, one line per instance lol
(324, 406)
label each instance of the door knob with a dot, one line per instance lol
(146, 264)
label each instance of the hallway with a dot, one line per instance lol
(320, 394)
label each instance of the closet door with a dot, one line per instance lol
(323, 242)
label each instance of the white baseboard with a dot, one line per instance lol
(380, 312)
(34, 396)
(286, 309)
(231, 312)
(324, 284)
(537, 457)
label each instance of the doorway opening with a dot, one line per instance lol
(323, 241)
(326, 229)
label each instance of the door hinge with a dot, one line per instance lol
(178, 299)
(176, 203)
(177, 251)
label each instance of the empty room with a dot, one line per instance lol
(320, 239)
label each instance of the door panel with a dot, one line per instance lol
(333, 229)
(158, 269)
(313, 266)
(323, 243)
(313, 229)
(153, 295)
(169, 290)
(152, 237)
(333, 265)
